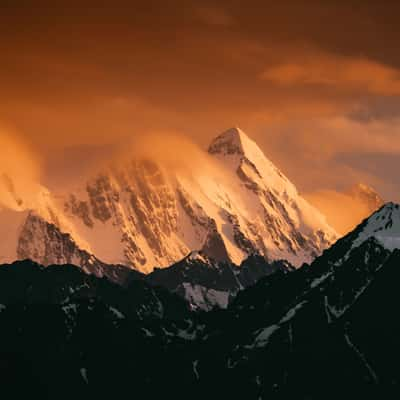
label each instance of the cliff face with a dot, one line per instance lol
(144, 215)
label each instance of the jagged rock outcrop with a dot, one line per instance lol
(144, 215)
(325, 330)
(154, 216)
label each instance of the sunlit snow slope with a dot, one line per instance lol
(144, 214)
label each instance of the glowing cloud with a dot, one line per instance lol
(19, 172)
(339, 72)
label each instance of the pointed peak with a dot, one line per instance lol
(232, 141)
(383, 225)
(389, 207)
(243, 154)
(234, 132)
(387, 212)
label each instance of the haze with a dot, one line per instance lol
(316, 84)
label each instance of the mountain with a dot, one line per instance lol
(144, 214)
(345, 209)
(59, 317)
(366, 195)
(29, 234)
(325, 330)
(205, 283)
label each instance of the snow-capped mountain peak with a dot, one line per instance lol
(236, 150)
(270, 193)
(144, 215)
(232, 141)
(383, 225)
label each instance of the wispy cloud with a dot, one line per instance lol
(338, 72)
(19, 171)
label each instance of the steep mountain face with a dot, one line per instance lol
(33, 227)
(327, 325)
(26, 235)
(52, 312)
(278, 219)
(145, 215)
(40, 235)
(205, 283)
(326, 330)
(383, 226)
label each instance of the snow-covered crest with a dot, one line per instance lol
(232, 141)
(383, 225)
(236, 147)
(145, 215)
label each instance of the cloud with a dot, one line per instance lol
(338, 72)
(19, 172)
(172, 150)
(343, 212)
(382, 168)
(334, 152)
(194, 67)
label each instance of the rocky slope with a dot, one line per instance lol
(27, 235)
(326, 330)
(142, 214)
(206, 284)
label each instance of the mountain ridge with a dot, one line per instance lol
(324, 330)
(144, 215)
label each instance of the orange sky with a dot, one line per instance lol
(315, 83)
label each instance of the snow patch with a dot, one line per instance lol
(384, 226)
(264, 335)
(83, 372)
(205, 298)
(117, 313)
